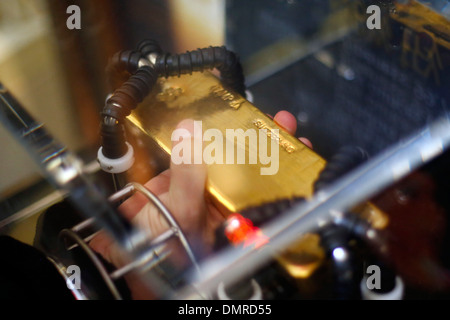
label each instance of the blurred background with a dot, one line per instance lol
(58, 74)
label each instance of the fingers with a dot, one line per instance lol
(287, 121)
(182, 185)
(306, 142)
(188, 176)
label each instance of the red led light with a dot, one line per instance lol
(240, 230)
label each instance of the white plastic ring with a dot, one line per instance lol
(119, 165)
(257, 292)
(394, 294)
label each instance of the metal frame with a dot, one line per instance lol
(146, 262)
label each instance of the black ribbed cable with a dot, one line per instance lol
(119, 106)
(133, 91)
(121, 66)
(227, 62)
(346, 159)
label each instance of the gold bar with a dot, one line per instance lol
(201, 96)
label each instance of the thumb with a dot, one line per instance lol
(188, 176)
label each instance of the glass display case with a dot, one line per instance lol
(366, 83)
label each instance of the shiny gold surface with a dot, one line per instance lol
(200, 96)
(425, 37)
(377, 218)
(304, 257)
(235, 187)
(421, 18)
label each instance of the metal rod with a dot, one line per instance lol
(146, 263)
(85, 239)
(154, 244)
(163, 237)
(121, 194)
(83, 225)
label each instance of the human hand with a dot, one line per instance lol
(182, 190)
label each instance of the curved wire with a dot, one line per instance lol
(170, 219)
(95, 260)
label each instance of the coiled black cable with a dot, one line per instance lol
(119, 106)
(121, 66)
(346, 159)
(113, 138)
(225, 61)
(131, 93)
(143, 78)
